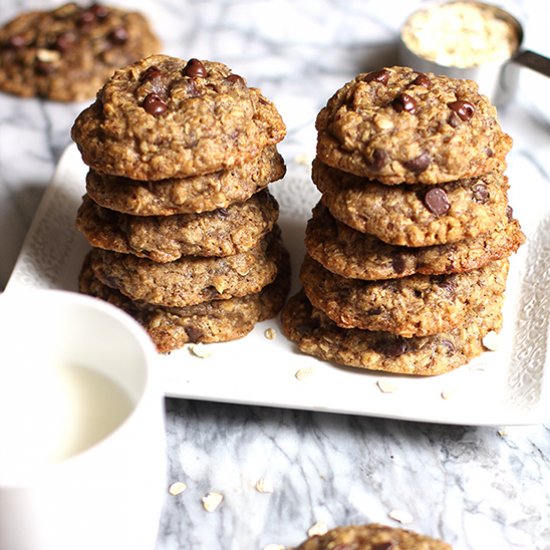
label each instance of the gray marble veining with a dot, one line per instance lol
(477, 488)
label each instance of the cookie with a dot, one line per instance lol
(396, 125)
(68, 53)
(164, 117)
(214, 321)
(414, 215)
(419, 305)
(186, 195)
(315, 334)
(372, 537)
(191, 279)
(356, 255)
(222, 232)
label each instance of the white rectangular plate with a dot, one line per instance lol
(505, 387)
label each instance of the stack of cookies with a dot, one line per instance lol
(407, 250)
(177, 210)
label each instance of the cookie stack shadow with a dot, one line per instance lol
(183, 228)
(407, 251)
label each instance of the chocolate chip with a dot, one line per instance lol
(374, 311)
(463, 109)
(151, 73)
(118, 36)
(480, 193)
(17, 41)
(236, 79)
(449, 346)
(398, 262)
(489, 152)
(422, 80)
(404, 102)
(193, 334)
(391, 347)
(87, 17)
(436, 201)
(378, 76)
(194, 68)
(99, 11)
(44, 68)
(378, 159)
(154, 104)
(65, 41)
(509, 213)
(419, 163)
(383, 545)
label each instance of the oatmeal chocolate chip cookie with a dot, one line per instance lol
(414, 215)
(372, 537)
(400, 126)
(356, 255)
(222, 232)
(214, 321)
(186, 195)
(419, 305)
(315, 334)
(68, 53)
(191, 279)
(163, 117)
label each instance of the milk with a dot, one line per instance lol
(59, 411)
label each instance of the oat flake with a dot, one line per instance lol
(490, 341)
(318, 528)
(270, 333)
(211, 501)
(385, 386)
(177, 488)
(199, 350)
(300, 374)
(401, 516)
(263, 485)
(274, 547)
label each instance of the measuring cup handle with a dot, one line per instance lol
(534, 61)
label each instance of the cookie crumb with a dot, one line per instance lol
(263, 485)
(211, 501)
(270, 333)
(490, 341)
(177, 488)
(502, 432)
(318, 528)
(385, 386)
(199, 350)
(301, 374)
(401, 516)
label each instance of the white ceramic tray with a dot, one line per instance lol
(505, 387)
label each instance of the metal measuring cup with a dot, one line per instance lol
(498, 80)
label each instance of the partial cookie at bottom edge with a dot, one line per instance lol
(315, 334)
(373, 536)
(215, 321)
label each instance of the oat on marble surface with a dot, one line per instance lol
(177, 488)
(270, 333)
(318, 528)
(402, 516)
(304, 373)
(264, 485)
(491, 340)
(211, 501)
(385, 386)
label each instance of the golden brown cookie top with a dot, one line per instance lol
(397, 125)
(164, 117)
(67, 54)
(372, 537)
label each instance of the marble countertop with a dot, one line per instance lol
(475, 487)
